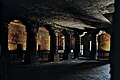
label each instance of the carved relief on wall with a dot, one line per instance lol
(104, 41)
(16, 35)
(43, 39)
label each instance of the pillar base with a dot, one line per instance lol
(56, 58)
(51, 58)
(34, 60)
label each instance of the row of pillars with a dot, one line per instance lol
(67, 51)
(31, 50)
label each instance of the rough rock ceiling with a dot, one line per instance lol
(78, 14)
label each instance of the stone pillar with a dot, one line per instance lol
(115, 44)
(56, 56)
(4, 57)
(85, 41)
(94, 44)
(4, 42)
(53, 45)
(77, 45)
(31, 47)
(93, 47)
(31, 44)
(67, 45)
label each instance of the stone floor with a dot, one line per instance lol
(63, 70)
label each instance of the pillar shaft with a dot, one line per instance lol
(85, 41)
(93, 47)
(31, 42)
(4, 56)
(53, 45)
(4, 42)
(31, 47)
(67, 46)
(115, 44)
(77, 45)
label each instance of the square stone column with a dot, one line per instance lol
(67, 46)
(93, 47)
(4, 42)
(77, 45)
(93, 53)
(53, 45)
(31, 45)
(85, 41)
(4, 56)
(115, 44)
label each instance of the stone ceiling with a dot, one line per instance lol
(78, 14)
